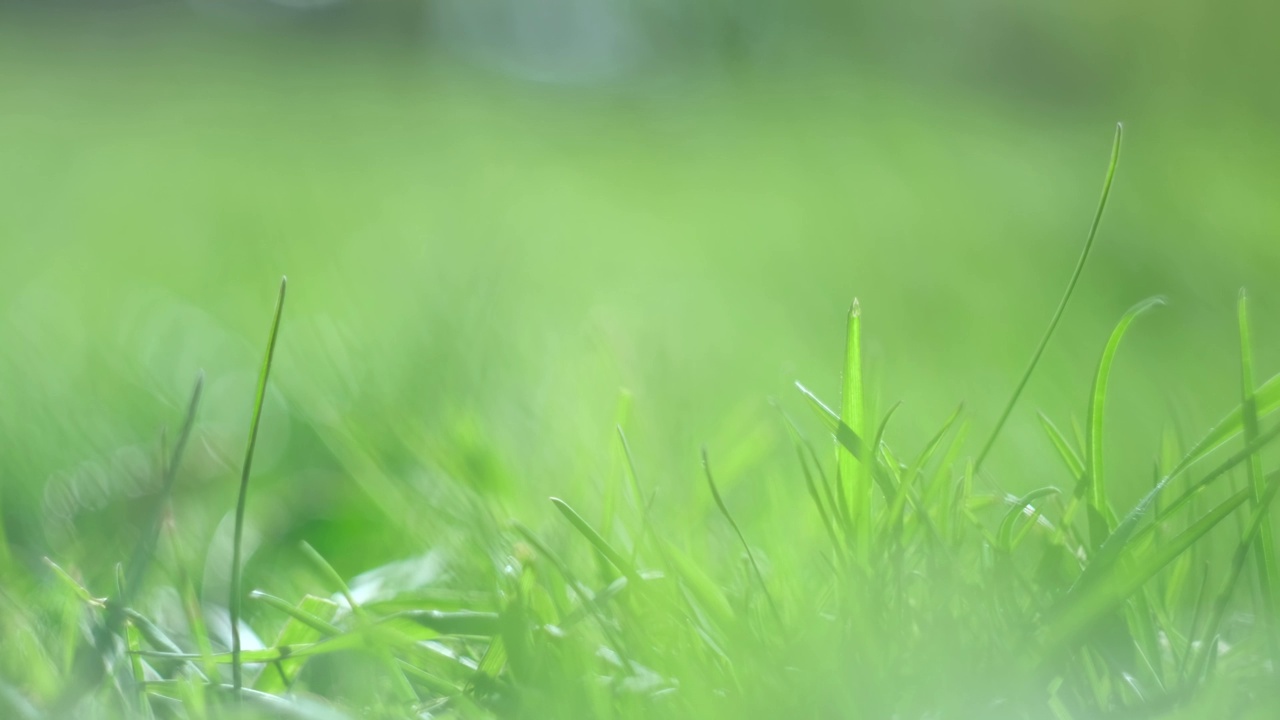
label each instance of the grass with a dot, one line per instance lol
(478, 268)
(929, 589)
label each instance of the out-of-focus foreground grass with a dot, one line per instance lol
(482, 272)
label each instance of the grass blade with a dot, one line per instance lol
(895, 514)
(1101, 517)
(1075, 465)
(853, 471)
(237, 676)
(146, 547)
(400, 684)
(845, 435)
(1062, 304)
(308, 612)
(593, 537)
(1022, 506)
(1265, 551)
(810, 484)
(724, 510)
(1261, 516)
(1128, 528)
(852, 442)
(1079, 609)
(456, 622)
(88, 658)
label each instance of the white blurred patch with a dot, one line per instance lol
(386, 582)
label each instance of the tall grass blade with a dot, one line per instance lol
(854, 472)
(1062, 304)
(237, 541)
(1101, 517)
(1265, 550)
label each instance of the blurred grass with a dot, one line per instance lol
(478, 266)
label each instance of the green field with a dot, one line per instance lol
(487, 279)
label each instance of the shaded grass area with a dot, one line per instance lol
(482, 270)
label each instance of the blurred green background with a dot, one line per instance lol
(496, 215)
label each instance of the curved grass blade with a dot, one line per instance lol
(935, 443)
(1079, 609)
(810, 484)
(887, 486)
(237, 541)
(724, 510)
(400, 684)
(1076, 468)
(333, 576)
(1101, 517)
(305, 625)
(1128, 528)
(1266, 401)
(1020, 507)
(1062, 304)
(897, 508)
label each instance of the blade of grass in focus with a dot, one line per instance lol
(1062, 304)
(237, 542)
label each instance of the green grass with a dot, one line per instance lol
(455, 511)
(931, 597)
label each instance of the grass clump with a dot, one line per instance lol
(927, 591)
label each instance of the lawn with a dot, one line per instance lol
(502, 293)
